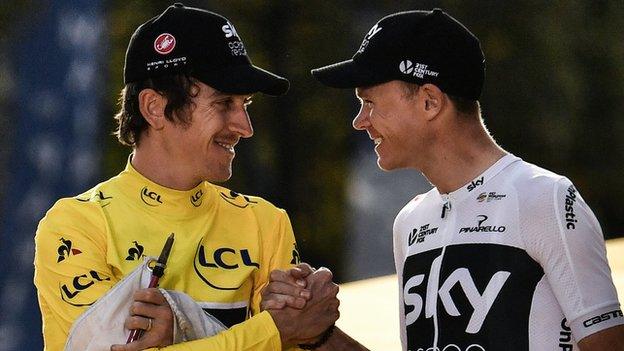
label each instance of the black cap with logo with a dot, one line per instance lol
(202, 44)
(417, 47)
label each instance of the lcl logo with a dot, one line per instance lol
(79, 284)
(150, 198)
(196, 200)
(227, 258)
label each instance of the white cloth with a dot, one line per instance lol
(102, 325)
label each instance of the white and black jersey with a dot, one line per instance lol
(515, 260)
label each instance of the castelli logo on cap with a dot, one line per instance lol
(164, 43)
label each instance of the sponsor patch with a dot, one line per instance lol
(135, 252)
(418, 234)
(66, 249)
(164, 43)
(570, 201)
(480, 228)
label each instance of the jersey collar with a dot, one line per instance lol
(479, 181)
(167, 201)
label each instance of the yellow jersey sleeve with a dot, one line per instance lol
(280, 251)
(70, 267)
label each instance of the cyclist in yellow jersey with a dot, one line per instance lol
(188, 82)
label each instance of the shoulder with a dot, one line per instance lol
(536, 184)
(74, 214)
(418, 203)
(253, 204)
(414, 207)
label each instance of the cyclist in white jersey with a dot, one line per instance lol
(500, 254)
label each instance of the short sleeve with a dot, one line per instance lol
(570, 247)
(70, 265)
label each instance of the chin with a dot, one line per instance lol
(219, 176)
(384, 165)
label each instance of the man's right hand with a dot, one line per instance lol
(287, 288)
(300, 319)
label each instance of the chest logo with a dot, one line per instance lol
(475, 183)
(481, 302)
(135, 252)
(480, 228)
(208, 261)
(150, 198)
(418, 234)
(66, 249)
(491, 196)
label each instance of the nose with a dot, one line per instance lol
(360, 122)
(241, 124)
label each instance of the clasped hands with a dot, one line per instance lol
(302, 302)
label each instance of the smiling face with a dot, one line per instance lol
(205, 146)
(390, 117)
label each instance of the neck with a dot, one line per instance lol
(460, 156)
(156, 164)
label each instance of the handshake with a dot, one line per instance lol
(303, 304)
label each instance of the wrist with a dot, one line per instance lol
(284, 328)
(321, 340)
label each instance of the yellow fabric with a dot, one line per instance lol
(226, 245)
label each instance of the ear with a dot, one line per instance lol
(152, 106)
(433, 99)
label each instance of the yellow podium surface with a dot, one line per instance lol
(369, 309)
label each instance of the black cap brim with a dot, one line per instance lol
(348, 74)
(245, 79)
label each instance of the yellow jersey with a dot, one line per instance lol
(226, 244)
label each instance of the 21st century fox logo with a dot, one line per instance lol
(419, 70)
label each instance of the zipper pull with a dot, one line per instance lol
(446, 207)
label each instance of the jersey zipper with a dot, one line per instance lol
(446, 206)
(447, 236)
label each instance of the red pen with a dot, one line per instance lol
(157, 273)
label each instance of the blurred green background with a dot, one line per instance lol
(554, 96)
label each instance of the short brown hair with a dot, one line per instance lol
(463, 105)
(177, 89)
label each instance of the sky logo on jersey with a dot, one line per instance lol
(480, 228)
(136, 252)
(80, 283)
(418, 234)
(474, 184)
(481, 302)
(570, 200)
(66, 249)
(150, 198)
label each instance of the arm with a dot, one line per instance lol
(608, 339)
(70, 266)
(573, 255)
